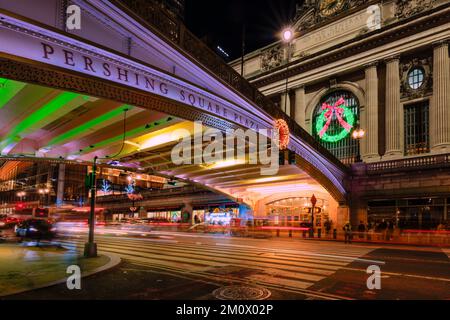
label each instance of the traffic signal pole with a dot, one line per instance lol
(90, 248)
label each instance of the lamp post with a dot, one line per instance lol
(287, 35)
(44, 194)
(358, 134)
(90, 248)
(21, 195)
(313, 207)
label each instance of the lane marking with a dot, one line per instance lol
(307, 253)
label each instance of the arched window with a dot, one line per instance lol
(334, 119)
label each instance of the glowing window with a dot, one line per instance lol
(415, 78)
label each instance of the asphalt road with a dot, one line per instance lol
(170, 265)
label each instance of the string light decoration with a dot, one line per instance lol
(283, 133)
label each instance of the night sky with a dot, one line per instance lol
(219, 22)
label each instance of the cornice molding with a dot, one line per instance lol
(381, 37)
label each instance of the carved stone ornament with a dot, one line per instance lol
(314, 12)
(407, 8)
(272, 58)
(406, 67)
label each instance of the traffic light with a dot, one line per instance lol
(89, 180)
(20, 206)
(172, 183)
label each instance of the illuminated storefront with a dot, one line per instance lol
(221, 216)
(296, 212)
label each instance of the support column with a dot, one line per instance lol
(292, 102)
(440, 108)
(370, 142)
(343, 215)
(300, 106)
(188, 209)
(61, 180)
(393, 111)
(285, 105)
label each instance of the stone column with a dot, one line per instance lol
(60, 186)
(292, 104)
(343, 215)
(393, 110)
(440, 108)
(285, 105)
(187, 208)
(300, 106)
(370, 142)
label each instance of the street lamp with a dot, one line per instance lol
(358, 134)
(44, 193)
(90, 248)
(287, 35)
(21, 195)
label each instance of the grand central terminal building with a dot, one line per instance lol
(370, 81)
(361, 89)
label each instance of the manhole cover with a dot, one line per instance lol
(241, 293)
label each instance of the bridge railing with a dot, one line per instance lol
(147, 194)
(425, 162)
(159, 19)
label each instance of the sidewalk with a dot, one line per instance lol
(374, 238)
(25, 267)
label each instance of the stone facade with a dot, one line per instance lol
(393, 57)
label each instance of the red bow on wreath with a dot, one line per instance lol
(336, 109)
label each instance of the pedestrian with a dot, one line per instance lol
(348, 232)
(370, 231)
(361, 230)
(390, 230)
(327, 227)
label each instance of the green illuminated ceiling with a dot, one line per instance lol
(129, 134)
(45, 111)
(8, 89)
(87, 125)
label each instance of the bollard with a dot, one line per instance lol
(311, 233)
(319, 233)
(304, 233)
(278, 232)
(334, 234)
(290, 233)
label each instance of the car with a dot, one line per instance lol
(7, 222)
(35, 229)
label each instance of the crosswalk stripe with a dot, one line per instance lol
(296, 260)
(286, 269)
(280, 254)
(306, 273)
(306, 262)
(447, 252)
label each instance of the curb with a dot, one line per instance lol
(420, 245)
(114, 261)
